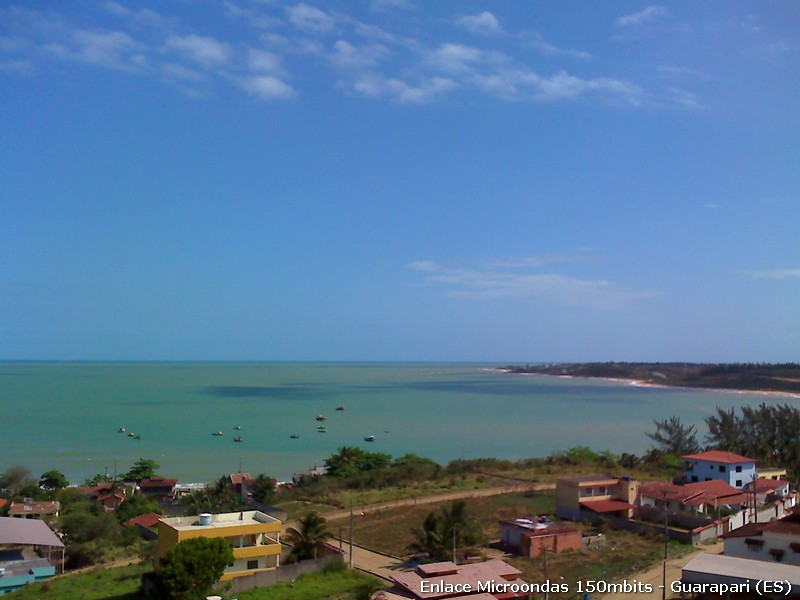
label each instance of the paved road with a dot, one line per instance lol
(654, 576)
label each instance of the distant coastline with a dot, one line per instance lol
(778, 379)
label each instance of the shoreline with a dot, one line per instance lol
(645, 383)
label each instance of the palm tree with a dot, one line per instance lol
(428, 540)
(309, 538)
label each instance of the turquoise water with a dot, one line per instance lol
(66, 415)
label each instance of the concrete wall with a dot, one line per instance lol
(283, 573)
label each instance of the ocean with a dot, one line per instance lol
(66, 415)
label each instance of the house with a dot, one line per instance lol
(704, 497)
(253, 535)
(775, 541)
(771, 490)
(34, 509)
(26, 552)
(240, 482)
(766, 552)
(109, 494)
(771, 473)
(734, 469)
(592, 496)
(533, 537)
(145, 525)
(488, 580)
(159, 488)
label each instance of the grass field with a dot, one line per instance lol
(338, 585)
(120, 583)
(389, 530)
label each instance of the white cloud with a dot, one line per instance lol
(381, 5)
(107, 49)
(454, 57)
(267, 87)
(483, 24)
(643, 17)
(347, 56)
(263, 61)
(375, 86)
(495, 283)
(144, 16)
(548, 49)
(205, 51)
(686, 99)
(308, 18)
(776, 274)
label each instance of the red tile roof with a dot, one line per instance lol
(158, 482)
(240, 478)
(720, 456)
(491, 570)
(710, 492)
(147, 520)
(766, 485)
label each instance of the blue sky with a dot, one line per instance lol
(400, 180)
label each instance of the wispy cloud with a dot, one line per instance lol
(484, 23)
(309, 18)
(555, 288)
(775, 274)
(267, 87)
(206, 51)
(643, 17)
(107, 49)
(538, 42)
(421, 92)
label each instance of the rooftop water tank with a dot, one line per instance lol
(205, 518)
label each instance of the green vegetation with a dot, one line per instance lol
(190, 569)
(447, 531)
(331, 585)
(390, 530)
(675, 438)
(309, 538)
(121, 583)
(744, 376)
(143, 468)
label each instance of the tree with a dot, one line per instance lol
(263, 488)
(349, 461)
(190, 569)
(428, 540)
(672, 437)
(53, 480)
(135, 505)
(16, 479)
(144, 468)
(309, 538)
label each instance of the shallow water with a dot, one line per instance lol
(66, 415)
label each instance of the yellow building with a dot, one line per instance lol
(590, 496)
(254, 536)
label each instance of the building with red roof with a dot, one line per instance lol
(774, 541)
(533, 537)
(734, 469)
(587, 497)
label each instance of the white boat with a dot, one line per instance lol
(369, 438)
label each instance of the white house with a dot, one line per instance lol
(734, 469)
(774, 541)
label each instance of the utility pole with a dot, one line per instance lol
(546, 581)
(455, 560)
(351, 533)
(666, 549)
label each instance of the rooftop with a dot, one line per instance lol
(720, 456)
(247, 517)
(450, 573)
(31, 532)
(45, 507)
(597, 479)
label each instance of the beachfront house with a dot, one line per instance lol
(253, 535)
(589, 497)
(29, 551)
(711, 498)
(533, 537)
(734, 469)
(159, 489)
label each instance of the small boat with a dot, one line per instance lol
(131, 434)
(340, 408)
(294, 436)
(217, 433)
(321, 417)
(238, 439)
(369, 438)
(121, 430)
(237, 428)
(322, 429)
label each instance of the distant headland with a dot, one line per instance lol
(756, 377)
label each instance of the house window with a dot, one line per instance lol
(722, 468)
(738, 483)
(738, 468)
(776, 554)
(754, 545)
(252, 564)
(708, 478)
(694, 479)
